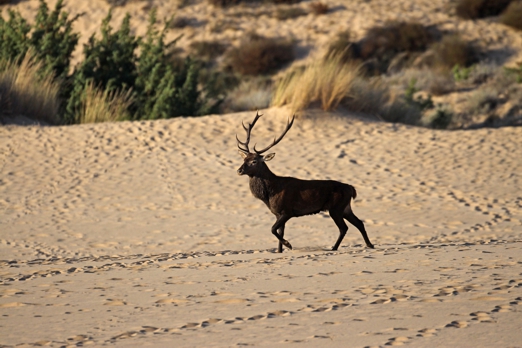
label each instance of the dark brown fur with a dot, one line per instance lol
(288, 197)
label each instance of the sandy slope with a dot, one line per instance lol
(311, 33)
(142, 233)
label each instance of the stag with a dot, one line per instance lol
(288, 197)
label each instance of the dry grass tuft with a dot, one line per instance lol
(327, 81)
(512, 16)
(473, 9)
(104, 106)
(330, 82)
(259, 55)
(318, 8)
(29, 92)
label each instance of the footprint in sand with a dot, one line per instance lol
(397, 341)
(458, 324)
(426, 332)
(115, 302)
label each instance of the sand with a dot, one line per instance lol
(141, 233)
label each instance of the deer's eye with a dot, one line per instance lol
(253, 163)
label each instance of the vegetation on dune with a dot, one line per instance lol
(473, 9)
(399, 72)
(148, 84)
(257, 55)
(512, 16)
(26, 90)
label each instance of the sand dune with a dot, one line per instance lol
(141, 233)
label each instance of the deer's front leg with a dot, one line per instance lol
(281, 232)
(280, 225)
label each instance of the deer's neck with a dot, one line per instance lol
(263, 184)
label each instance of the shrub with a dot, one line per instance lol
(284, 13)
(441, 117)
(374, 97)
(25, 90)
(53, 39)
(517, 72)
(103, 105)
(180, 22)
(381, 44)
(207, 49)
(420, 102)
(259, 55)
(165, 91)
(482, 100)
(473, 9)
(433, 81)
(116, 2)
(109, 63)
(14, 35)
(224, 3)
(395, 37)
(318, 8)
(452, 51)
(251, 94)
(284, 2)
(512, 16)
(461, 73)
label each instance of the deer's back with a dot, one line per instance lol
(298, 197)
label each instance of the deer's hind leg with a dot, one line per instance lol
(354, 220)
(338, 219)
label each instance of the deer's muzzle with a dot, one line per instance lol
(240, 171)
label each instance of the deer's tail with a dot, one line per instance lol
(354, 193)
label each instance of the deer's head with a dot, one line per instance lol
(255, 161)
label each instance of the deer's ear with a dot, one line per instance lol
(268, 157)
(243, 155)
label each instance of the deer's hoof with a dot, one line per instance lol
(286, 244)
(370, 246)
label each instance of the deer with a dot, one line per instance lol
(288, 197)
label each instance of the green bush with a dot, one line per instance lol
(461, 73)
(53, 39)
(109, 63)
(150, 85)
(14, 37)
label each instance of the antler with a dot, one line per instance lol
(248, 130)
(288, 126)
